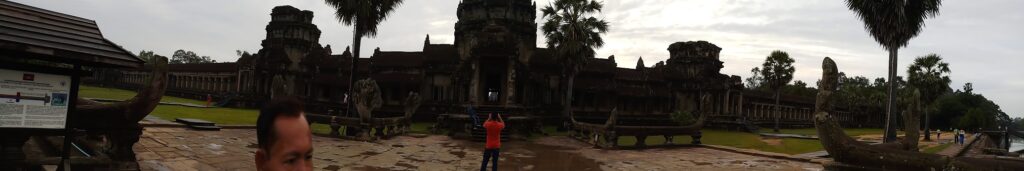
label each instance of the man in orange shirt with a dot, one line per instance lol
(493, 141)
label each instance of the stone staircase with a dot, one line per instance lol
(478, 133)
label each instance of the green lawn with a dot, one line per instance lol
(814, 132)
(322, 129)
(936, 149)
(121, 94)
(738, 140)
(227, 116)
(754, 141)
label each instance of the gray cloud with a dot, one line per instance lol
(980, 39)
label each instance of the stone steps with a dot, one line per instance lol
(198, 124)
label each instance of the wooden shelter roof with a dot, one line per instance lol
(48, 35)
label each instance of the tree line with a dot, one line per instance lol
(180, 56)
(944, 107)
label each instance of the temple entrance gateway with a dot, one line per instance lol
(493, 79)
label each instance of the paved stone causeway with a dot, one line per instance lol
(233, 149)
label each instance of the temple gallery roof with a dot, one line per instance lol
(397, 59)
(229, 67)
(48, 35)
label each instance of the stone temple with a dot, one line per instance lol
(494, 65)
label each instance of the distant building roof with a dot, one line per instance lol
(598, 65)
(204, 67)
(441, 53)
(629, 74)
(397, 59)
(54, 36)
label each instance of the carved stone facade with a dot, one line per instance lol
(494, 64)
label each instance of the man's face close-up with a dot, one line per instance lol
(292, 148)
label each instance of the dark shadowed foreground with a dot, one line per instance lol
(232, 149)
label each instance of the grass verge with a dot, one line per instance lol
(121, 94)
(739, 140)
(219, 115)
(814, 132)
(936, 149)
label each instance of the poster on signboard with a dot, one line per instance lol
(33, 100)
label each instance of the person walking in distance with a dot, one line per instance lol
(493, 140)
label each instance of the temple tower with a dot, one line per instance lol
(293, 32)
(693, 70)
(276, 69)
(494, 39)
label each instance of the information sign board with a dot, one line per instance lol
(33, 100)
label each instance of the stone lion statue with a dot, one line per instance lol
(411, 103)
(367, 98)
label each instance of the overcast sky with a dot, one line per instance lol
(981, 40)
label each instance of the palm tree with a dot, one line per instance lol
(778, 71)
(893, 23)
(929, 75)
(364, 16)
(573, 33)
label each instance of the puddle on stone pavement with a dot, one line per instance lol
(526, 155)
(333, 168)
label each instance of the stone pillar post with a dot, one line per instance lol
(762, 113)
(199, 83)
(510, 83)
(207, 83)
(728, 104)
(739, 103)
(474, 85)
(225, 84)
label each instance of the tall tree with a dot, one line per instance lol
(573, 33)
(147, 56)
(188, 57)
(969, 88)
(363, 16)
(930, 76)
(755, 79)
(893, 23)
(777, 71)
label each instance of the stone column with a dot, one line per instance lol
(224, 84)
(764, 111)
(739, 104)
(207, 83)
(728, 104)
(227, 84)
(474, 85)
(199, 83)
(510, 83)
(204, 83)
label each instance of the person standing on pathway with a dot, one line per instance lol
(493, 143)
(956, 136)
